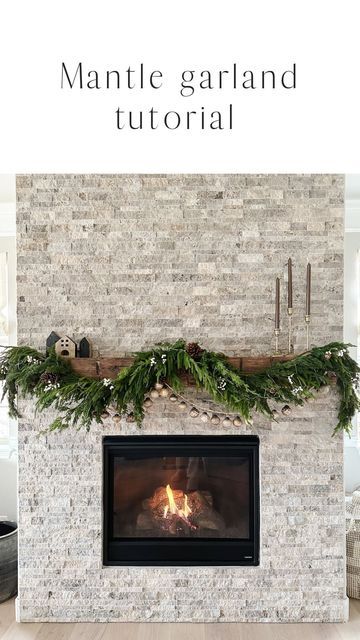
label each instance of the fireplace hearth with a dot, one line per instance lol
(181, 500)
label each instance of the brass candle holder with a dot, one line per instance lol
(307, 324)
(276, 333)
(290, 331)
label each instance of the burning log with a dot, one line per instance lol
(173, 512)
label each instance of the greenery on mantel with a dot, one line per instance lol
(80, 400)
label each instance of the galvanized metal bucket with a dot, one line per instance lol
(8, 560)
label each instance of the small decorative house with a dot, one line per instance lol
(84, 348)
(51, 341)
(65, 347)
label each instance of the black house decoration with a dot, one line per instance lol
(84, 349)
(51, 341)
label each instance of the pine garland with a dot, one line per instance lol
(80, 400)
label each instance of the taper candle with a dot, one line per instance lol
(290, 287)
(277, 304)
(308, 289)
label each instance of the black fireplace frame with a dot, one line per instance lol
(181, 551)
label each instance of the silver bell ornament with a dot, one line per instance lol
(194, 412)
(286, 410)
(332, 377)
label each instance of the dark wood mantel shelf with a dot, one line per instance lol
(109, 367)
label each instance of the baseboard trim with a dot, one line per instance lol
(17, 609)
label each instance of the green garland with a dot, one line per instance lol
(80, 400)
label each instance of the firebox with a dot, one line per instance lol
(181, 500)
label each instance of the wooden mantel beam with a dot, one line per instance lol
(109, 367)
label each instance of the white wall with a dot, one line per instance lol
(7, 205)
(8, 457)
(8, 488)
(351, 310)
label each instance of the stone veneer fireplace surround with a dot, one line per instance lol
(198, 259)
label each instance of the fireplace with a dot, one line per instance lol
(181, 500)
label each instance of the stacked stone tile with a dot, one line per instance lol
(129, 260)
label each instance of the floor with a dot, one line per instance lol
(11, 630)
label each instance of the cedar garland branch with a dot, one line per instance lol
(79, 400)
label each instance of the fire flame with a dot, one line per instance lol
(183, 513)
(172, 504)
(187, 509)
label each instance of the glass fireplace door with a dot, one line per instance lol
(179, 500)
